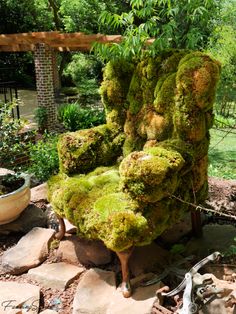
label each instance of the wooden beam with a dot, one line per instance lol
(56, 40)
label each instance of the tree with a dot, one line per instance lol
(24, 16)
(222, 47)
(170, 23)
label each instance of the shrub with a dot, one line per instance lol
(12, 142)
(74, 118)
(41, 118)
(84, 71)
(44, 160)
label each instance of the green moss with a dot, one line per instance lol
(83, 150)
(164, 94)
(150, 175)
(158, 114)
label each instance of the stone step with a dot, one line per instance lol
(15, 296)
(55, 275)
(29, 252)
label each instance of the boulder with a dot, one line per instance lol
(85, 252)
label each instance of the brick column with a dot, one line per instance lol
(56, 79)
(43, 57)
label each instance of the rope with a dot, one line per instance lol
(223, 137)
(199, 207)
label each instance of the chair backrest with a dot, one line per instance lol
(157, 99)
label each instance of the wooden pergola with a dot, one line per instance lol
(56, 40)
(45, 45)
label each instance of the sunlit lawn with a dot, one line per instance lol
(222, 154)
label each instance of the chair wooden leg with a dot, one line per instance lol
(196, 223)
(124, 260)
(62, 229)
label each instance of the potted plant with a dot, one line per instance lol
(14, 196)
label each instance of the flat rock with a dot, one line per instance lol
(55, 275)
(94, 292)
(39, 193)
(31, 217)
(4, 171)
(75, 250)
(141, 301)
(214, 238)
(15, 296)
(48, 312)
(29, 252)
(147, 259)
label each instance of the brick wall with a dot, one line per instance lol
(44, 68)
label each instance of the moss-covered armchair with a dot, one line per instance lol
(118, 182)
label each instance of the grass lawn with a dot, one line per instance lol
(222, 154)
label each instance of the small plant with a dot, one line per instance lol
(41, 118)
(43, 157)
(73, 117)
(12, 143)
(231, 251)
(10, 183)
(223, 122)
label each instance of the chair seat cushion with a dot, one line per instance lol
(100, 210)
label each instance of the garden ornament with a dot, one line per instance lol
(200, 290)
(116, 180)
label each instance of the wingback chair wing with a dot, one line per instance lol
(117, 180)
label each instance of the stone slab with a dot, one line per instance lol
(140, 302)
(55, 275)
(94, 292)
(29, 252)
(4, 171)
(48, 312)
(39, 193)
(85, 252)
(18, 295)
(31, 217)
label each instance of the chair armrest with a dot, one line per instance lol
(152, 174)
(82, 151)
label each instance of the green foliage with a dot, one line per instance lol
(41, 117)
(171, 24)
(44, 157)
(231, 251)
(12, 143)
(223, 122)
(178, 248)
(83, 15)
(222, 47)
(74, 118)
(23, 16)
(84, 71)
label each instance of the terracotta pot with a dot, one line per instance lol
(12, 204)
